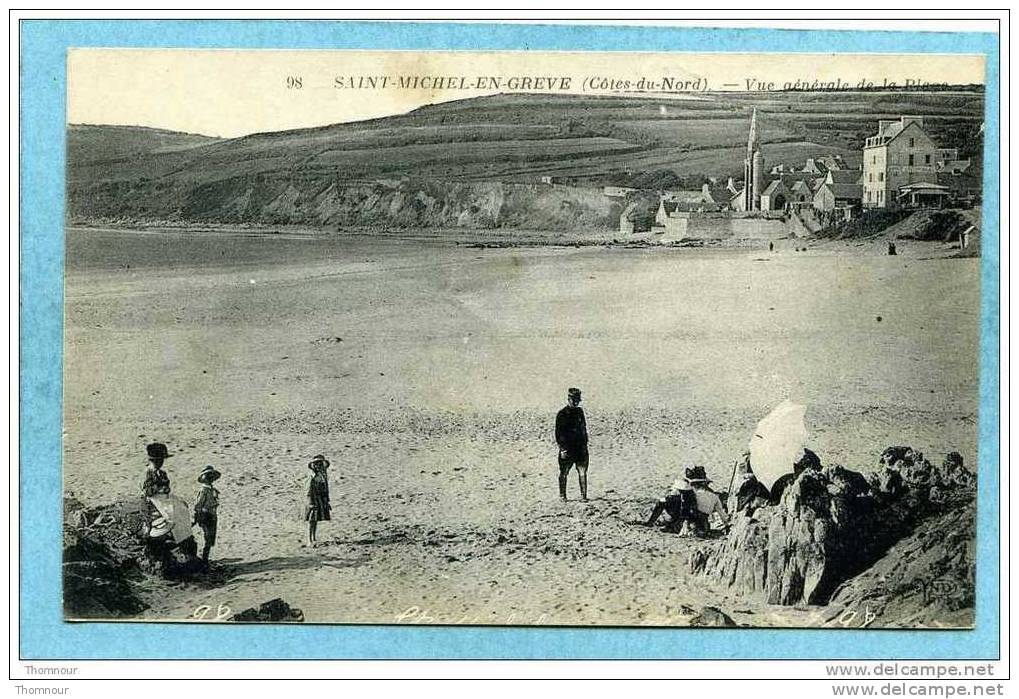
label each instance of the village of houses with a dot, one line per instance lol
(901, 168)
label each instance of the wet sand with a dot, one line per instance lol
(430, 373)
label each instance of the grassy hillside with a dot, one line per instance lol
(314, 175)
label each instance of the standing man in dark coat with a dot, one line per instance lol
(571, 436)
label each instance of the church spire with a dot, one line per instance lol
(752, 140)
(753, 169)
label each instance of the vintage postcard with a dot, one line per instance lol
(522, 338)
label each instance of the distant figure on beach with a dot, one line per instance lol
(318, 496)
(571, 436)
(809, 460)
(891, 248)
(156, 479)
(750, 492)
(771, 246)
(690, 501)
(207, 509)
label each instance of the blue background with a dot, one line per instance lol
(43, 633)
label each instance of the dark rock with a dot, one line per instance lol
(712, 616)
(97, 590)
(927, 579)
(275, 610)
(830, 526)
(105, 554)
(888, 482)
(97, 570)
(891, 455)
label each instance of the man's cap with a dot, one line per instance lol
(573, 392)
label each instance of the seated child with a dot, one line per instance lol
(690, 501)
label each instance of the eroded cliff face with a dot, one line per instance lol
(835, 524)
(326, 202)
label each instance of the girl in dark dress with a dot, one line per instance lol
(318, 496)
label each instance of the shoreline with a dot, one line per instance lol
(489, 239)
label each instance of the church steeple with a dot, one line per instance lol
(752, 139)
(753, 169)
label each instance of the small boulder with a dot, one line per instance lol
(275, 610)
(712, 616)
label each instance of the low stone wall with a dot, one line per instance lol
(723, 226)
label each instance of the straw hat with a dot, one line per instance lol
(319, 462)
(208, 475)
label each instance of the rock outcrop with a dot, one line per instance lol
(272, 611)
(926, 580)
(712, 616)
(834, 524)
(105, 559)
(102, 560)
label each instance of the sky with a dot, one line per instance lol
(231, 93)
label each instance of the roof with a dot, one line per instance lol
(921, 185)
(833, 162)
(815, 165)
(789, 179)
(846, 191)
(845, 176)
(773, 187)
(967, 180)
(959, 165)
(719, 194)
(699, 206)
(889, 130)
(690, 196)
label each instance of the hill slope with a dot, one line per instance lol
(446, 164)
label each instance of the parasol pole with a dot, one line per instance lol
(732, 479)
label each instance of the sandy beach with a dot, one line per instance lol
(429, 373)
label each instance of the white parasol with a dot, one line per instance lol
(778, 442)
(174, 517)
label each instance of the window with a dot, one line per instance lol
(880, 177)
(912, 142)
(911, 159)
(927, 159)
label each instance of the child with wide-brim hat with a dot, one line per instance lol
(207, 509)
(318, 508)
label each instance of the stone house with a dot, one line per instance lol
(900, 154)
